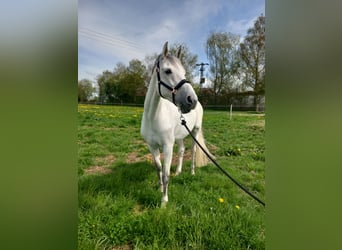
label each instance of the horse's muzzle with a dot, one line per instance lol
(189, 104)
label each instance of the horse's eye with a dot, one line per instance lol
(168, 71)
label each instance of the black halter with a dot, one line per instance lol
(172, 89)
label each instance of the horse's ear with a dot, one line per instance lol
(179, 52)
(165, 49)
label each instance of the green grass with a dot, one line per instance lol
(119, 197)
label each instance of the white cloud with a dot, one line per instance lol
(240, 26)
(112, 32)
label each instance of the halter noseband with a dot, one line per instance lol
(172, 89)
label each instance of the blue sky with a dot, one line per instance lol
(112, 31)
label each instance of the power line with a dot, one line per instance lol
(108, 39)
(109, 36)
(104, 41)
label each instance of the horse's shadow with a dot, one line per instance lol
(136, 181)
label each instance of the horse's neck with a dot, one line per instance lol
(152, 99)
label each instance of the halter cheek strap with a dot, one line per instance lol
(172, 89)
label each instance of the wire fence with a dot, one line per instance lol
(259, 108)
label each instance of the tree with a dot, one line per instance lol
(123, 83)
(85, 90)
(106, 83)
(134, 80)
(252, 52)
(221, 49)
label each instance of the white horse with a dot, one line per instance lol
(168, 95)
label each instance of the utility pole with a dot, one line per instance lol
(202, 79)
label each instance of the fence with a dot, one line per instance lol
(235, 107)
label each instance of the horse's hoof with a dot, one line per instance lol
(163, 204)
(177, 173)
(192, 172)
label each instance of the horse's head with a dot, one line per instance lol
(171, 81)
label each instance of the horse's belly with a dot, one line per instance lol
(157, 135)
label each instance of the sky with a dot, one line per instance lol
(113, 31)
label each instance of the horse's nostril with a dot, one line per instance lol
(189, 99)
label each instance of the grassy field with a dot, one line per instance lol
(118, 189)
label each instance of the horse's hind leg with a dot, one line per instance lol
(193, 151)
(180, 156)
(156, 157)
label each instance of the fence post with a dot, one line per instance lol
(230, 112)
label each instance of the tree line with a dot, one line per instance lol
(236, 69)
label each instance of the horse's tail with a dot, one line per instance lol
(201, 158)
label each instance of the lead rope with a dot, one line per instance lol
(183, 122)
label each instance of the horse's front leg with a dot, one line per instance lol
(156, 158)
(180, 156)
(167, 150)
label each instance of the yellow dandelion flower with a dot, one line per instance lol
(221, 200)
(237, 206)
